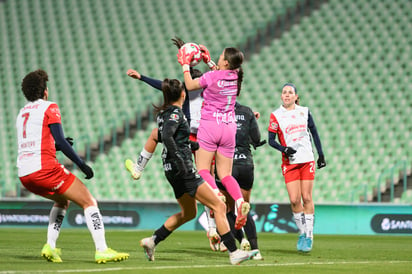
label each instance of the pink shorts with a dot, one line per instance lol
(295, 172)
(48, 181)
(217, 137)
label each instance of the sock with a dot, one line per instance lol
(208, 178)
(229, 242)
(95, 225)
(237, 204)
(210, 221)
(161, 234)
(55, 222)
(231, 218)
(232, 187)
(250, 230)
(309, 220)
(143, 159)
(300, 221)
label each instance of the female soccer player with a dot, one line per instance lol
(292, 123)
(247, 134)
(187, 185)
(217, 129)
(191, 109)
(39, 133)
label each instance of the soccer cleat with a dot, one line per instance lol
(51, 254)
(258, 256)
(222, 247)
(301, 242)
(240, 256)
(131, 167)
(214, 240)
(307, 247)
(148, 245)
(110, 255)
(242, 212)
(245, 245)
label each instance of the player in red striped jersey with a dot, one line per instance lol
(39, 134)
(292, 124)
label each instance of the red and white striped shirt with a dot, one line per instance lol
(36, 149)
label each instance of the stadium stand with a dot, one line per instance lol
(349, 60)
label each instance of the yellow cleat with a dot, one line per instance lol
(109, 255)
(131, 167)
(51, 254)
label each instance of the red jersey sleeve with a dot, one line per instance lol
(273, 124)
(53, 114)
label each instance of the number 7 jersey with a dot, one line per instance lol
(36, 149)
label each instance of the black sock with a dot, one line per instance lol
(250, 230)
(231, 218)
(161, 234)
(229, 241)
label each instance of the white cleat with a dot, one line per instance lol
(223, 248)
(240, 256)
(149, 246)
(258, 256)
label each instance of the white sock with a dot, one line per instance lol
(55, 222)
(210, 221)
(95, 225)
(300, 221)
(309, 220)
(237, 204)
(143, 159)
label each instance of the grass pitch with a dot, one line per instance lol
(189, 252)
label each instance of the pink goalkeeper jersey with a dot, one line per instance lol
(291, 126)
(35, 142)
(219, 95)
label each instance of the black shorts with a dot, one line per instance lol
(244, 175)
(184, 184)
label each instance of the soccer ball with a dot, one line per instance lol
(193, 47)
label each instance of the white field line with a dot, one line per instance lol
(200, 266)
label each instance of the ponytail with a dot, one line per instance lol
(239, 80)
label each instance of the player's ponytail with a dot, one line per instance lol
(235, 59)
(239, 80)
(178, 42)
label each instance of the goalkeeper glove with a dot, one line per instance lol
(206, 57)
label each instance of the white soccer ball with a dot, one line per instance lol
(193, 47)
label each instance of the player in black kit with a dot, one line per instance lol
(247, 134)
(187, 184)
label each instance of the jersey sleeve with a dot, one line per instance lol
(205, 79)
(157, 84)
(273, 124)
(53, 114)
